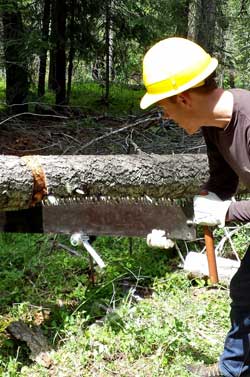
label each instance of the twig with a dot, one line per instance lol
(179, 253)
(141, 121)
(228, 236)
(34, 114)
(33, 150)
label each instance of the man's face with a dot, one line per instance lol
(180, 110)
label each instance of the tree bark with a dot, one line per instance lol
(155, 176)
(60, 52)
(108, 48)
(17, 84)
(72, 49)
(175, 176)
(205, 24)
(43, 54)
(52, 52)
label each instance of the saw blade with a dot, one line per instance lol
(103, 216)
(123, 217)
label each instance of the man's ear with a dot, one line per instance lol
(184, 99)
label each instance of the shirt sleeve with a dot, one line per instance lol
(222, 179)
(239, 211)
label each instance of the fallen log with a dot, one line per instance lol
(25, 181)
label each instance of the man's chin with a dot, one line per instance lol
(191, 131)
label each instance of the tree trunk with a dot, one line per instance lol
(52, 52)
(135, 176)
(205, 24)
(108, 48)
(52, 70)
(24, 180)
(70, 72)
(72, 48)
(60, 52)
(43, 55)
(17, 85)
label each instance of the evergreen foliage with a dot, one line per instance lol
(108, 40)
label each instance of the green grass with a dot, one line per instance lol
(88, 97)
(107, 329)
(123, 101)
(2, 94)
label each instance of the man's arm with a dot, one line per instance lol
(239, 211)
(224, 181)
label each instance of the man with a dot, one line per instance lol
(178, 76)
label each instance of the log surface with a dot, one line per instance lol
(170, 176)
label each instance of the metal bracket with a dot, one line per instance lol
(82, 239)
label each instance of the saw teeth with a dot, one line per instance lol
(148, 199)
(51, 200)
(79, 191)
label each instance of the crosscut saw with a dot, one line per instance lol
(103, 216)
(96, 215)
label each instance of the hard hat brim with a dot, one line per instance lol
(149, 99)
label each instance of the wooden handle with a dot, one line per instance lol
(212, 266)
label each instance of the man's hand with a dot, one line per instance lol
(209, 209)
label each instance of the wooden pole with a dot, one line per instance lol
(212, 266)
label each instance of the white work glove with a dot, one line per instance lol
(209, 209)
(157, 239)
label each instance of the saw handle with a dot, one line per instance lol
(209, 243)
(212, 266)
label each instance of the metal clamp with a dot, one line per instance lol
(82, 239)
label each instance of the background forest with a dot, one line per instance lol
(56, 44)
(70, 83)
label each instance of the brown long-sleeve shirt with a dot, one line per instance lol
(228, 152)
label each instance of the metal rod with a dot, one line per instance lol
(80, 238)
(211, 258)
(93, 254)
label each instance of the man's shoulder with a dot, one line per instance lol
(241, 102)
(239, 91)
(240, 94)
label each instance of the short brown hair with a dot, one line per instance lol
(209, 85)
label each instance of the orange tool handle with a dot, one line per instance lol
(212, 266)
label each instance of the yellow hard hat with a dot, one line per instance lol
(172, 66)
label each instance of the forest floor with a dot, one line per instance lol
(96, 134)
(142, 316)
